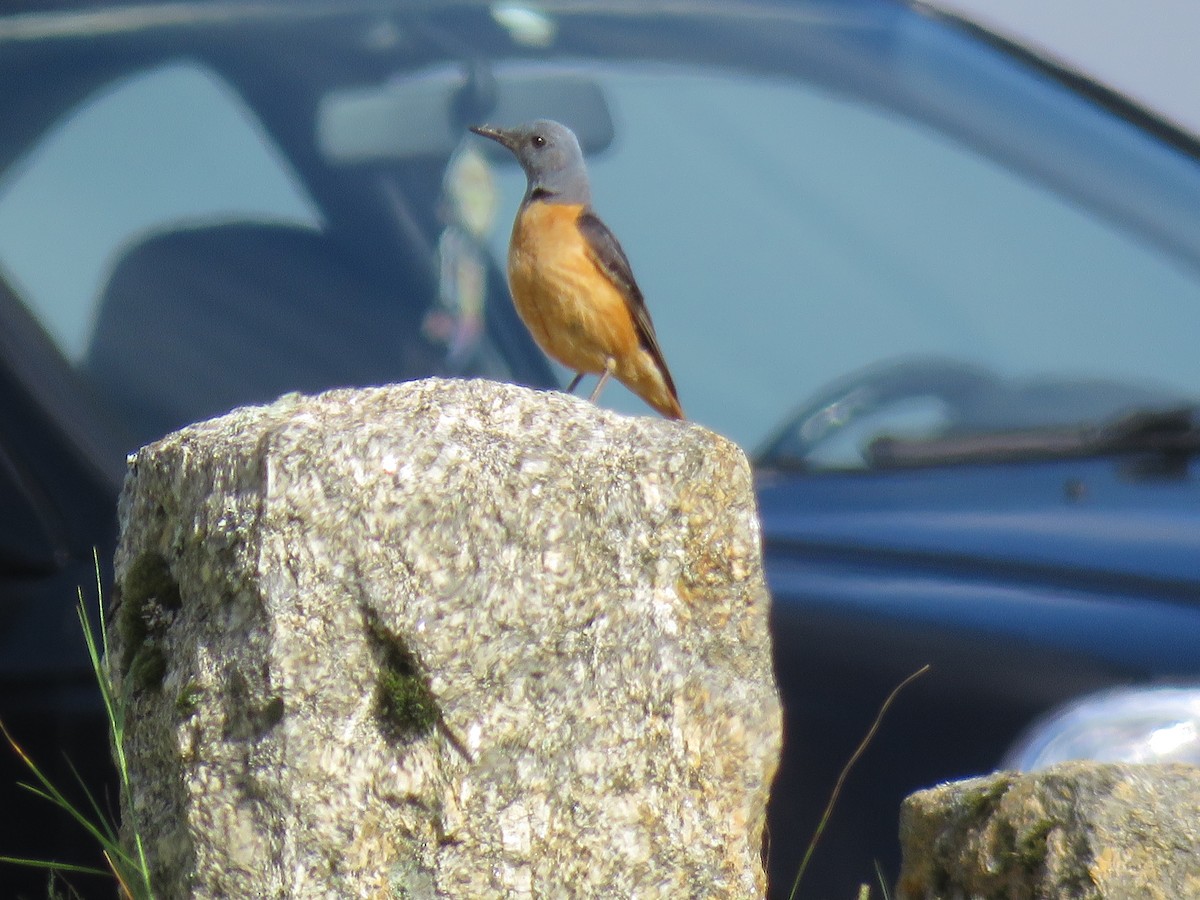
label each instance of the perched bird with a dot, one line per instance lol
(570, 279)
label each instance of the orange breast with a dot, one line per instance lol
(576, 315)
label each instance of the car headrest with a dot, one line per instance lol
(195, 322)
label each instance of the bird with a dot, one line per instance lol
(570, 280)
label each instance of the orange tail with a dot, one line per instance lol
(646, 380)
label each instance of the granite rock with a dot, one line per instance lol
(445, 639)
(1073, 831)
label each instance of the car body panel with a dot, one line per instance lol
(1075, 521)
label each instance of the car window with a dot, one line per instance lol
(785, 236)
(163, 148)
(788, 230)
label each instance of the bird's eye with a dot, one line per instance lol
(537, 141)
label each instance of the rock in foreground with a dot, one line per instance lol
(1076, 830)
(445, 639)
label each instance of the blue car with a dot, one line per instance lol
(946, 294)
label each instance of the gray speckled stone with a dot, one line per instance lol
(582, 593)
(1073, 831)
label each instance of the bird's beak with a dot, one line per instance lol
(499, 135)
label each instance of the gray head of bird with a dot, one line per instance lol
(549, 153)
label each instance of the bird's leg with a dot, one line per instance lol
(575, 382)
(609, 365)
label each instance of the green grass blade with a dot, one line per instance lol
(883, 887)
(116, 720)
(110, 840)
(127, 869)
(100, 817)
(112, 709)
(37, 792)
(47, 790)
(53, 866)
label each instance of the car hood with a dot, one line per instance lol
(1120, 523)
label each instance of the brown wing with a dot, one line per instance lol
(606, 252)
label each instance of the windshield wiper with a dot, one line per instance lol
(1171, 432)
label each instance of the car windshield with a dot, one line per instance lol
(849, 221)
